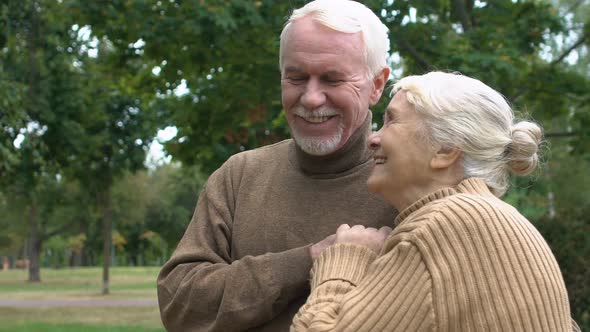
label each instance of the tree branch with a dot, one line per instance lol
(422, 62)
(58, 230)
(553, 63)
(575, 5)
(569, 50)
(462, 13)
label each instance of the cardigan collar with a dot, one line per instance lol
(466, 186)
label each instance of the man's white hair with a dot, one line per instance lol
(462, 112)
(349, 17)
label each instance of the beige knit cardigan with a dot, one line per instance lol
(459, 259)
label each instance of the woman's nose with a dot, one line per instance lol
(374, 141)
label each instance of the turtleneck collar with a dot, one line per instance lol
(353, 153)
(467, 186)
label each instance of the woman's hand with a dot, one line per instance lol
(369, 237)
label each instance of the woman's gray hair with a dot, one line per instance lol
(463, 112)
(349, 17)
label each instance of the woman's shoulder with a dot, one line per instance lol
(462, 213)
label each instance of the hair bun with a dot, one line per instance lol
(521, 153)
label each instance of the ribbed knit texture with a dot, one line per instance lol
(459, 259)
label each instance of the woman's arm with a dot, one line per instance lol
(352, 291)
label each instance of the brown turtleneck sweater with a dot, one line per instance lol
(244, 260)
(459, 259)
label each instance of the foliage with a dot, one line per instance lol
(59, 92)
(13, 233)
(153, 209)
(178, 190)
(225, 52)
(43, 104)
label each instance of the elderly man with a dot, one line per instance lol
(262, 217)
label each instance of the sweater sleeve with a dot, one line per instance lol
(202, 289)
(349, 293)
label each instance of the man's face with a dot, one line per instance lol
(325, 90)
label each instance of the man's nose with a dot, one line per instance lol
(314, 96)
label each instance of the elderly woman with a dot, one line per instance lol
(459, 259)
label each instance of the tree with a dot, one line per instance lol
(152, 209)
(226, 53)
(38, 69)
(83, 117)
(169, 213)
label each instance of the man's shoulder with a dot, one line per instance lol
(268, 153)
(256, 160)
(253, 163)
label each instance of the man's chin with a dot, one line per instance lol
(318, 146)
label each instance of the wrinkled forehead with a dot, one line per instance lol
(314, 38)
(309, 32)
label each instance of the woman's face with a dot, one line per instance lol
(402, 155)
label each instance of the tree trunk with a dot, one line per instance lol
(140, 255)
(107, 224)
(35, 243)
(35, 261)
(78, 258)
(32, 107)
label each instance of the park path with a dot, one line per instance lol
(53, 303)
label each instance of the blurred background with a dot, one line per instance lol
(113, 114)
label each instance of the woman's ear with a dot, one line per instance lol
(445, 158)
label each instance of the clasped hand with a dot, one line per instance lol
(369, 237)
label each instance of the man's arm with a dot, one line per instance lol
(201, 289)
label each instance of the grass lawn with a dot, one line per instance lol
(125, 282)
(40, 327)
(80, 283)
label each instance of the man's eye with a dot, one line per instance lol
(296, 79)
(333, 81)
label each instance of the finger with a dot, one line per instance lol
(385, 230)
(342, 228)
(358, 227)
(372, 229)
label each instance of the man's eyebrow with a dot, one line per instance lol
(292, 69)
(333, 73)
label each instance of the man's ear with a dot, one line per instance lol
(378, 86)
(445, 158)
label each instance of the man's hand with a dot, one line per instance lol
(369, 237)
(316, 249)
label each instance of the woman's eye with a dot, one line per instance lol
(388, 121)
